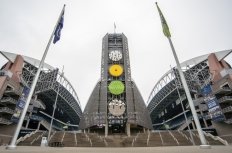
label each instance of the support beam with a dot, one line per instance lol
(128, 132)
(106, 129)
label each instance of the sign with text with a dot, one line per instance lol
(214, 109)
(20, 105)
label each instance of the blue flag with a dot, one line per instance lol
(58, 29)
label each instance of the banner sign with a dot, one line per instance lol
(214, 109)
(20, 105)
(206, 90)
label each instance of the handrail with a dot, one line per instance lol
(217, 138)
(58, 120)
(63, 136)
(184, 135)
(227, 109)
(148, 137)
(26, 136)
(161, 138)
(133, 141)
(37, 138)
(174, 137)
(5, 121)
(8, 99)
(52, 136)
(7, 110)
(75, 137)
(224, 98)
(106, 143)
(88, 139)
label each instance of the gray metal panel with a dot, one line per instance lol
(91, 109)
(142, 114)
(96, 109)
(137, 112)
(131, 116)
(103, 84)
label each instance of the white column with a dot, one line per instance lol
(106, 129)
(128, 129)
(38, 126)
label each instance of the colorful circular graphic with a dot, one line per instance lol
(115, 55)
(115, 70)
(116, 87)
(117, 107)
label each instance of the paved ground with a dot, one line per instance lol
(183, 149)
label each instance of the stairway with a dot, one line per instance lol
(141, 140)
(155, 140)
(57, 137)
(96, 140)
(69, 140)
(182, 140)
(82, 140)
(121, 140)
(152, 139)
(168, 140)
(33, 140)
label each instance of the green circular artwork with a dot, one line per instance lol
(116, 87)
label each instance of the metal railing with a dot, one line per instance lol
(5, 121)
(8, 99)
(217, 138)
(6, 110)
(225, 98)
(227, 109)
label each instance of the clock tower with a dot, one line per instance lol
(115, 105)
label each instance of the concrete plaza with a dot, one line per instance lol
(171, 149)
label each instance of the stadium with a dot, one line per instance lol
(16, 78)
(209, 81)
(115, 114)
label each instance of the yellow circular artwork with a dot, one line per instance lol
(115, 70)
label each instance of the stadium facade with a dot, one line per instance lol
(209, 78)
(115, 108)
(16, 77)
(115, 104)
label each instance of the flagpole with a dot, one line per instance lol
(54, 109)
(185, 116)
(166, 32)
(115, 40)
(114, 28)
(21, 119)
(191, 104)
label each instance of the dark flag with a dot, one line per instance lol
(58, 29)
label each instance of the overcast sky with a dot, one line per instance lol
(197, 26)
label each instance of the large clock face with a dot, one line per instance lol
(116, 107)
(115, 55)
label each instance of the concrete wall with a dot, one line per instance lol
(222, 128)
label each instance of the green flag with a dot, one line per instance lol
(164, 23)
